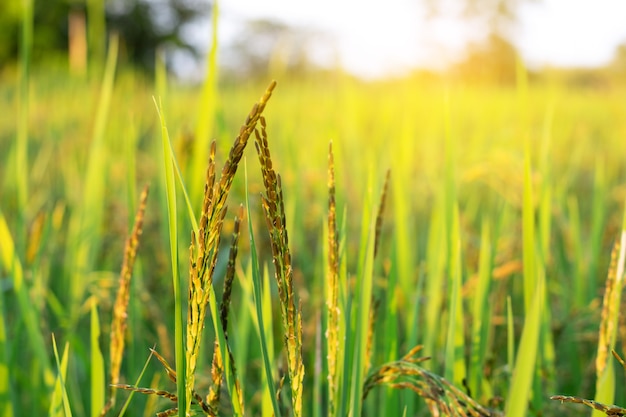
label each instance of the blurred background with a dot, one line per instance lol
(475, 40)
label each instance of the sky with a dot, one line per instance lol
(374, 39)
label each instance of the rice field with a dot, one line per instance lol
(338, 248)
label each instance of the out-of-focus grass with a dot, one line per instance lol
(467, 203)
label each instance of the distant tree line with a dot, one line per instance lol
(268, 47)
(143, 26)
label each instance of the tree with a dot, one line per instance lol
(493, 61)
(497, 16)
(618, 63)
(9, 28)
(272, 46)
(143, 26)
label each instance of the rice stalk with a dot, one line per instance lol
(120, 308)
(205, 245)
(273, 207)
(332, 303)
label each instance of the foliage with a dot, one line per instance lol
(267, 47)
(143, 26)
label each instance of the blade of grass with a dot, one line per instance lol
(455, 346)
(524, 371)
(88, 219)
(59, 396)
(179, 323)
(344, 351)
(579, 288)
(266, 406)
(206, 112)
(7, 400)
(318, 378)
(13, 266)
(435, 266)
(137, 382)
(510, 335)
(21, 154)
(242, 322)
(528, 233)
(96, 365)
(363, 295)
(598, 210)
(481, 311)
(96, 33)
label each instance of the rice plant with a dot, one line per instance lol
(445, 255)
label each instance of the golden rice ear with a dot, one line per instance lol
(441, 396)
(217, 365)
(381, 213)
(610, 309)
(230, 271)
(332, 302)
(120, 308)
(609, 410)
(204, 247)
(274, 210)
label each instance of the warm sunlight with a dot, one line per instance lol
(335, 208)
(372, 39)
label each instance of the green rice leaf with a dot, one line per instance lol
(60, 404)
(179, 323)
(137, 382)
(206, 114)
(97, 365)
(6, 390)
(12, 264)
(524, 371)
(455, 346)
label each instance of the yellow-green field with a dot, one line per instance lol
(492, 251)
